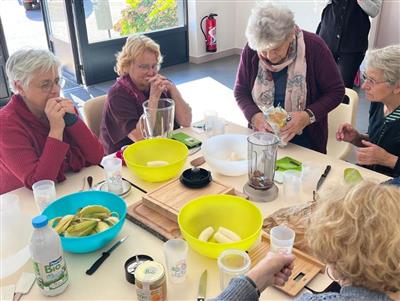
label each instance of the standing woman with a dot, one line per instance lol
(284, 65)
(35, 142)
(344, 27)
(137, 65)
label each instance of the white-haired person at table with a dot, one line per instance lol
(355, 232)
(41, 134)
(379, 149)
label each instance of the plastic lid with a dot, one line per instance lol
(196, 177)
(39, 221)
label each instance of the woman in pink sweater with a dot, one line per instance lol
(41, 135)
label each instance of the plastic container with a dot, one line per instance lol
(150, 282)
(48, 260)
(232, 263)
(112, 168)
(282, 239)
(175, 252)
(44, 192)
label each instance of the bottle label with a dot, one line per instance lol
(52, 275)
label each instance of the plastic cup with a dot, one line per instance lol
(310, 174)
(175, 252)
(210, 118)
(282, 239)
(112, 168)
(44, 192)
(291, 183)
(232, 263)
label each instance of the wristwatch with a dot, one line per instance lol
(311, 115)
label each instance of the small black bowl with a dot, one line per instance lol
(196, 177)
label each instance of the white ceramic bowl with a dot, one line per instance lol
(227, 154)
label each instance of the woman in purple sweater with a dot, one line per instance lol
(283, 65)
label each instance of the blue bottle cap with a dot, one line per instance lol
(39, 221)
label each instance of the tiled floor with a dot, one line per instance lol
(222, 70)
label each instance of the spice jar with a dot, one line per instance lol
(150, 282)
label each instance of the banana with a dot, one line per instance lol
(229, 234)
(101, 226)
(112, 220)
(221, 238)
(54, 221)
(206, 234)
(157, 163)
(64, 223)
(97, 215)
(90, 210)
(84, 228)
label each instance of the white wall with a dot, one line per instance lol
(388, 28)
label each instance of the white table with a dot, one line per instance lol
(108, 282)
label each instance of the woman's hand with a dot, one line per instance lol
(298, 121)
(55, 113)
(158, 85)
(372, 154)
(347, 133)
(259, 123)
(273, 269)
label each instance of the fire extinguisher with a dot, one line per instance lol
(211, 32)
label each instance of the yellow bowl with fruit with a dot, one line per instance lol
(156, 159)
(232, 213)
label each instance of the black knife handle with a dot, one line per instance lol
(327, 170)
(201, 299)
(97, 263)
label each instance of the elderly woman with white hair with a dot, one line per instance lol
(284, 65)
(379, 149)
(137, 65)
(42, 136)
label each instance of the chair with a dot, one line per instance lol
(92, 112)
(341, 114)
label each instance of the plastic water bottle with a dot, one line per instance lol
(47, 256)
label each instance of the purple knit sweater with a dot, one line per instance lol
(325, 89)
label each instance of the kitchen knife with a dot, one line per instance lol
(104, 256)
(201, 296)
(323, 176)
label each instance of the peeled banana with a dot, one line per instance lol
(87, 221)
(229, 234)
(206, 234)
(223, 235)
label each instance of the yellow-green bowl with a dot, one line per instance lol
(232, 212)
(138, 154)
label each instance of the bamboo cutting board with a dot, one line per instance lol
(168, 199)
(305, 269)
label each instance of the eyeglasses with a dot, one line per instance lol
(366, 79)
(47, 85)
(146, 67)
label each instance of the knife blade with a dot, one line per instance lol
(104, 256)
(323, 176)
(201, 296)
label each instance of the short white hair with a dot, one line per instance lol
(23, 64)
(269, 25)
(387, 60)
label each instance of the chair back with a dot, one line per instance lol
(92, 112)
(341, 114)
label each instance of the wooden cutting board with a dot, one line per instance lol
(168, 199)
(305, 269)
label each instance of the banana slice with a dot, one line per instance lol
(221, 238)
(206, 233)
(229, 234)
(157, 163)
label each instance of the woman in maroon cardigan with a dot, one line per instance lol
(41, 136)
(283, 65)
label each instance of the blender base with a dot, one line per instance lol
(258, 195)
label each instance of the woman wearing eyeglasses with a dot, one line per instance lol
(137, 65)
(41, 135)
(379, 149)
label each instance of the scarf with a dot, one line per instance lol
(296, 87)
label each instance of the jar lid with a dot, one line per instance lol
(196, 177)
(131, 265)
(149, 272)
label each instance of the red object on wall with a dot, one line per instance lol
(210, 34)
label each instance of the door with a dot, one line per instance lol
(61, 36)
(4, 91)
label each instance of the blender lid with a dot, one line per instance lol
(196, 177)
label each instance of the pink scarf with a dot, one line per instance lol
(296, 87)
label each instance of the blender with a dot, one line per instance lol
(262, 152)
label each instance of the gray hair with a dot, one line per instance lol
(269, 26)
(23, 64)
(387, 60)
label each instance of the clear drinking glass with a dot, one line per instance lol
(44, 192)
(112, 168)
(175, 252)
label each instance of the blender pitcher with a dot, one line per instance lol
(262, 152)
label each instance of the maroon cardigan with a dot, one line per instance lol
(28, 154)
(325, 89)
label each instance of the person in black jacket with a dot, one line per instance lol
(344, 27)
(380, 148)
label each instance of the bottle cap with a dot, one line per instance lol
(39, 221)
